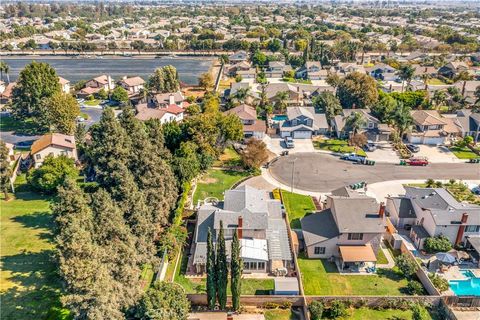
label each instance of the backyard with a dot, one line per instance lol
(280, 314)
(30, 288)
(215, 182)
(372, 314)
(337, 145)
(297, 207)
(320, 277)
(229, 158)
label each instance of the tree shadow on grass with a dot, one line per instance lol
(38, 220)
(35, 285)
(390, 274)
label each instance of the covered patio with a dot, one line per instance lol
(357, 259)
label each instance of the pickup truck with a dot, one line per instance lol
(417, 161)
(352, 157)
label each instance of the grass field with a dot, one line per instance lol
(336, 145)
(464, 153)
(229, 158)
(215, 182)
(8, 123)
(321, 277)
(279, 314)
(297, 207)
(29, 285)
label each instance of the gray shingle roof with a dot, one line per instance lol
(318, 227)
(358, 214)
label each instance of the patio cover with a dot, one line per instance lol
(357, 253)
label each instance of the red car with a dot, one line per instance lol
(417, 161)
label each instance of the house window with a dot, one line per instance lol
(371, 125)
(261, 266)
(319, 250)
(355, 236)
(472, 229)
(38, 156)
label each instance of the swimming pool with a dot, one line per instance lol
(468, 287)
(279, 117)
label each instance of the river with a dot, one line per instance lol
(75, 69)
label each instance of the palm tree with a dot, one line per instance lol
(355, 121)
(406, 73)
(439, 97)
(425, 78)
(240, 96)
(402, 119)
(329, 104)
(281, 101)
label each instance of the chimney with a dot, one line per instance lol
(381, 210)
(171, 99)
(240, 227)
(461, 229)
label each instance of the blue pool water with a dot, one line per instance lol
(469, 287)
(279, 117)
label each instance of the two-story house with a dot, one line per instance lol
(64, 84)
(238, 56)
(384, 72)
(276, 69)
(133, 85)
(372, 128)
(452, 69)
(166, 107)
(312, 70)
(303, 123)
(93, 86)
(53, 144)
(432, 212)
(429, 127)
(259, 221)
(349, 229)
(469, 123)
(252, 127)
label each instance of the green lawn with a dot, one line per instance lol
(381, 259)
(371, 314)
(84, 115)
(215, 182)
(8, 123)
(29, 285)
(337, 145)
(321, 277)
(92, 103)
(297, 207)
(147, 276)
(229, 158)
(435, 82)
(464, 153)
(279, 314)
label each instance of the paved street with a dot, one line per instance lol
(322, 172)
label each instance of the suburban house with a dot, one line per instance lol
(349, 67)
(372, 128)
(93, 86)
(429, 127)
(237, 57)
(54, 144)
(303, 123)
(312, 70)
(349, 230)
(252, 127)
(259, 221)
(467, 89)
(233, 69)
(276, 69)
(161, 100)
(432, 212)
(469, 123)
(452, 69)
(133, 85)
(383, 71)
(7, 94)
(65, 85)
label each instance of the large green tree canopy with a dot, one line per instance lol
(357, 90)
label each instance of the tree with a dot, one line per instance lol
(439, 97)
(437, 244)
(164, 80)
(357, 90)
(355, 121)
(406, 265)
(53, 172)
(255, 154)
(259, 59)
(439, 282)
(185, 164)
(402, 119)
(36, 82)
(221, 269)
(419, 312)
(333, 79)
(316, 310)
(211, 275)
(329, 104)
(4, 68)
(5, 170)
(236, 272)
(138, 45)
(358, 140)
(119, 95)
(281, 101)
(102, 94)
(62, 110)
(274, 45)
(163, 301)
(206, 81)
(414, 288)
(406, 73)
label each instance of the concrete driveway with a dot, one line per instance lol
(384, 153)
(277, 145)
(437, 154)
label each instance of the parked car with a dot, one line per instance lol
(370, 146)
(476, 190)
(24, 144)
(417, 161)
(289, 143)
(353, 157)
(413, 148)
(80, 119)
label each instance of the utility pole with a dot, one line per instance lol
(293, 171)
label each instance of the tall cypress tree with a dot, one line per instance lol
(211, 279)
(236, 272)
(221, 269)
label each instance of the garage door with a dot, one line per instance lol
(302, 134)
(433, 141)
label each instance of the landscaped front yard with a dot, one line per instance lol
(464, 153)
(29, 285)
(297, 207)
(215, 182)
(320, 277)
(337, 145)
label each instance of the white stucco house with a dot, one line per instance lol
(54, 144)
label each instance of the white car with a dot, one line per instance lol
(80, 119)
